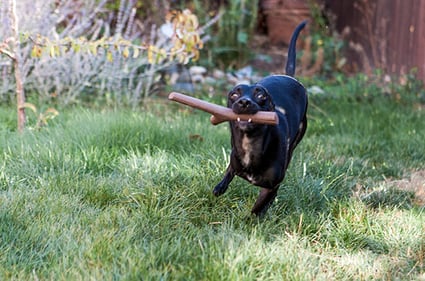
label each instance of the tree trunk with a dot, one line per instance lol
(20, 95)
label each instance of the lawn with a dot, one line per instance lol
(126, 195)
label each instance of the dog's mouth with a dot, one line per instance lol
(244, 124)
(251, 110)
(243, 121)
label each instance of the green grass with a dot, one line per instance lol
(122, 195)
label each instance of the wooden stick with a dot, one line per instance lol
(221, 114)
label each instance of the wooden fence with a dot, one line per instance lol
(386, 34)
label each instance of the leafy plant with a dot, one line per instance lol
(71, 59)
(42, 117)
(228, 44)
(325, 47)
(234, 31)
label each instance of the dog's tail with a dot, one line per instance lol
(292, 55)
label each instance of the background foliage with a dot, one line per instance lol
(81, 62)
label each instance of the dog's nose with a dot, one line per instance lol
(244, 103)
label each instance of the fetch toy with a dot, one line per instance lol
(222, 114)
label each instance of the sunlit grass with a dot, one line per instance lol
(126, 195)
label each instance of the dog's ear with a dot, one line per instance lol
(263, 98)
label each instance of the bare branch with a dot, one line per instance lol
(7, 53)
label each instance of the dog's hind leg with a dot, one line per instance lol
(222, 186)
(264, 201)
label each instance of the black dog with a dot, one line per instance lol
(261, 153)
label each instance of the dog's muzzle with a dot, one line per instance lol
(245, 106)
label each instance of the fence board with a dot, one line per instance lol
(391, 32)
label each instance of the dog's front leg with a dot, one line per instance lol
(264, 201)
(222, 186)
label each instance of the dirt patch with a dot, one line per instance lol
(415, 183)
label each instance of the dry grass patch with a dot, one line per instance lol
(415, 183)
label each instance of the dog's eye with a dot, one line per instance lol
(234, 95)
(261, 97)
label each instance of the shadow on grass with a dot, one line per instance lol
(405, 193)
(390, 197)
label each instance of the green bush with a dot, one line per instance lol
(229, 38)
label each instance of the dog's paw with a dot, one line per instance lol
(219, 189)
(222, 186)
(264, 201)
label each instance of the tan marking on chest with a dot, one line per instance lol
(247, 148)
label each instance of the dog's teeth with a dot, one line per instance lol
(249, 120)
(239, 119)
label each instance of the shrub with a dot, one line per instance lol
(65, 54)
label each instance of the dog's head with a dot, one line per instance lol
(249, 99)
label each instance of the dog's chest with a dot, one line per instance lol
(251, 150)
